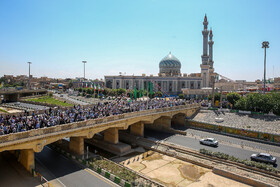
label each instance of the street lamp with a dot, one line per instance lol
(265, 45)
(29, 76)
(84, 69)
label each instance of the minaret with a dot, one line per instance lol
(205, 67)
(211, 49)
(205, 33)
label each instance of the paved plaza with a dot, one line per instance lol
(261, 123)
(25, 106)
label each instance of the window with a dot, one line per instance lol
(109, 84)
(118, 84)
(192, 85)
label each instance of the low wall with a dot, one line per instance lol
(240, 178)
(235, 131)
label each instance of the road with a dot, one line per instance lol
(13, 174)
(61, 171)
(75, 101)
(228, 145)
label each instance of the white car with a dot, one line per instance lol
(263, 157)
(209, 141)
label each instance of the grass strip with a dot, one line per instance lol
(49, 100)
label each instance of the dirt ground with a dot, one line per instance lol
(173, 172)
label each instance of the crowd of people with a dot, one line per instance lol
(56, 116)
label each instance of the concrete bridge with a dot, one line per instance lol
(34, 140)
(14, 95)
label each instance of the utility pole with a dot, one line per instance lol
(265, 45)
(84, 69)
(221, 92)
(213, 87)
(29, 86)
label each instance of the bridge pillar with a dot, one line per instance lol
(111, 135)
(137, 129)
(76, 145)
(26, 158)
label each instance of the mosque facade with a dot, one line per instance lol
(170, 80)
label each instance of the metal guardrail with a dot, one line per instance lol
(88, 123)
(43, 179)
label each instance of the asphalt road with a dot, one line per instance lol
(65, 96)
(61, 171)
(228, 145)
(13, 174)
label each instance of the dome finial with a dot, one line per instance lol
(170, 52)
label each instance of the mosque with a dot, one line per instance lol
(170, 80)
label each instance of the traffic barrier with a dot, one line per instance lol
(43, 179)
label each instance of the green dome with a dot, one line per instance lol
(170, 65)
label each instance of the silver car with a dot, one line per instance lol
(209, 141)
(263, 157)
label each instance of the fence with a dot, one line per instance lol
(44, 180)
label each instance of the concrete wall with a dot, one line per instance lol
(240, 178)
(235, 131)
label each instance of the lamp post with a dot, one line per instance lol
(265, 45)
(29, 76)
(84, 69)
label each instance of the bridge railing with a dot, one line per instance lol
(91, 122)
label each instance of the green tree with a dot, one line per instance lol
(106, 91)
(241, 104)
(88, 91)
(71, 84)
(216, 97)
(233, 97)
(159, 94)
(181, 96)
(276, 103)
(120, 91)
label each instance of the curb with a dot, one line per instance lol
(239, 178)
(235, 136)
(98, 170)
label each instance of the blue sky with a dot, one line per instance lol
(132, 36)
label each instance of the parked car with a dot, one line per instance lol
(263, 157)
(209, 141)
